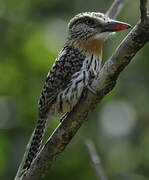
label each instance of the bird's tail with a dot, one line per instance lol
(35, 142)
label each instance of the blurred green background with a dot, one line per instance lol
(32, 32)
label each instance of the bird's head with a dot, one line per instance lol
(87, 31)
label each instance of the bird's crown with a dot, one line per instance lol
(88, 18)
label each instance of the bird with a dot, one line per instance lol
(77, 65)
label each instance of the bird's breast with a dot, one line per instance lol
(70, 96)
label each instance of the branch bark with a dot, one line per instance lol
(95, 160)
(106, 81)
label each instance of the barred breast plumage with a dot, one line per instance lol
(75, 72)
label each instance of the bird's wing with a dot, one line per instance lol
(68, 62)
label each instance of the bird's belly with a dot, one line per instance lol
(68, 98)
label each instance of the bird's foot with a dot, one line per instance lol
(93, 91)
(63, 117)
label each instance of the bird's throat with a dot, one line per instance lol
(91, 46)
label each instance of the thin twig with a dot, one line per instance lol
(143, 9)
(115, 8)
(95, 160)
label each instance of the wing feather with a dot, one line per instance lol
(69, 61)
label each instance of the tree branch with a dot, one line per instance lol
(95, 160)
(115, 9)
(65, 131)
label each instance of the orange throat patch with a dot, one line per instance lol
(91, 46)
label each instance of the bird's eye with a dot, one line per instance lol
(89, 22)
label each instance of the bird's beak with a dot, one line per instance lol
(113, 26)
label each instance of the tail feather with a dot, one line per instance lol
(35, 143)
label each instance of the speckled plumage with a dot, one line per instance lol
(69, 62)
